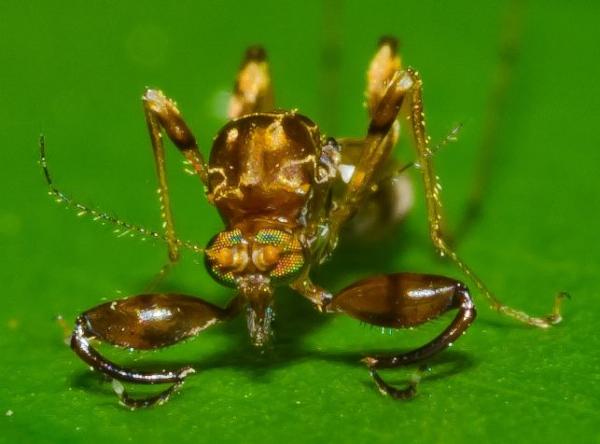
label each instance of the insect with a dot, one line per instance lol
(284, 193)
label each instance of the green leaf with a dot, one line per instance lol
(76, 72)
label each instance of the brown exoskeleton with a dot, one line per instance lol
(277, 184)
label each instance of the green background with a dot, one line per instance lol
(76, 72)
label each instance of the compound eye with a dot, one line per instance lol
(278, 253)
(225, 256)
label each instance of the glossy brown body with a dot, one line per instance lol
(263, 166)
(284, 193)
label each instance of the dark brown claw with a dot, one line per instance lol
(150, 401)
(401, 394)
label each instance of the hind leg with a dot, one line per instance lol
(389, 202)
(252, 92)
(402, 96)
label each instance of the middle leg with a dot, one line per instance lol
(414, 110)
(402, 95)
(162, 113)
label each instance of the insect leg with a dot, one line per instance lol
(145, 322)
(161, 113)
(388, 203)
(377, 146)
(253, 91)
(403, 93)
(414, 109)
(403, 300)
(314, 293)
(384, 65)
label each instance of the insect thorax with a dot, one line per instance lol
(263, 165)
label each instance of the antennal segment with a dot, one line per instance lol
(123, 228)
